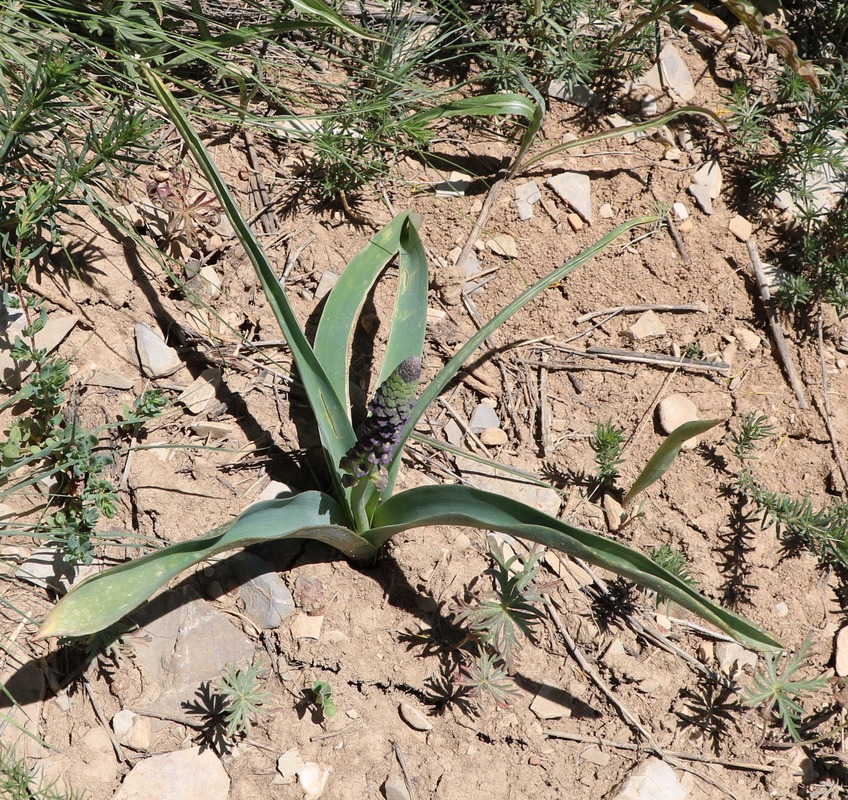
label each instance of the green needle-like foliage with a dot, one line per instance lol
(244, 698)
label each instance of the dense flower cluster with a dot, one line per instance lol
(387, 414)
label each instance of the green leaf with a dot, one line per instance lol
(330, 413)
(485, 105)
(323, 12)
(665, 454)
(464, 505)
(337, 325)
(107, 596)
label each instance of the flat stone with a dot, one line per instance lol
(156, 358)
(672, 154)
(109, 380)
(552, 703)
(526, 195)
(732, 656)
(686, 226)
(210, 279)
(651, 780)
(680, 211)
(267, 600)
(702, 197)
(577, 95)
(675, 410)
(700, 19)
(48, 338)
(648, 106)
(648, 326)
(841, 657)
(748, 340)
(197, 396)
(494, 437)
(618, 121)
(575, 222)
(132, 729)
(453, 433)
(455, 186)
(290, 763)
(414, 718)
(273, 491)
(503, 245)
(781, 610)
(305, 627)
(395, 788)
(325, 285)
(192, 774)
(574, 188)
(709, 175)
(483, 417)
(606, 211)
(47, 568)
(676, 73)
(614, 512)
(211, 430)
(741, 228)
(313, 779)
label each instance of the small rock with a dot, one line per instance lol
(685, 226)
(313, 779)
(617, 121)
(613, 512)
(48, 338)
(740, 228)
(606, 211)
(483, 417)
(211, 430)
(651, 780)
(526, 194)
(648, 686)
(328, 280)
(132, 730)
(273, 491)
(781, 610)
(156, 358)
(201, 391)
(47, 568)
(685, 139)
(574, 222)
(732, 657)
(192, 774)
(680, 211)
(552, 703)
(577, 95)
(648, 106)
(675, 410)
(748, 340)
(672, 154)
(290, 763)
(841, 659)
(574, 188)
(709, 176)
(395, 788)
(414, 718)
(309, 594)
(676, 73)
(306, 627)
(596, 756)
(109, 380)
(706, 652)
(453, 433)
(455, 186)
(494, 437)
(647, 326)
(212, 245)
(729, 353)
(211, 281)
(503, 245)
(698, 17)
(267, 600)
(702, 198)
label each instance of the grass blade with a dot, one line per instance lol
(464, 505)
(108, 596)
(485, 105)
(665, 454)
(330, 414)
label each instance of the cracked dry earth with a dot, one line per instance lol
(131, 725)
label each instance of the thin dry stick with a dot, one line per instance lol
(545, 408)
(672, 229)
(402, 764)
(700, 308)
(774, 323)
(482, 217)
(590, 670)
(101, 718)
(825, 411)
(704, 759)
(269, 219)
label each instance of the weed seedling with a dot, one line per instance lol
(782, 692)
(607, 443)
(676, 563)
(244, 699)
(322, 694)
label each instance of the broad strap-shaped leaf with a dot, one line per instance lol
(473, 508)
(108, 596)
(337, 326)
(665, 454)
(330, 413)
